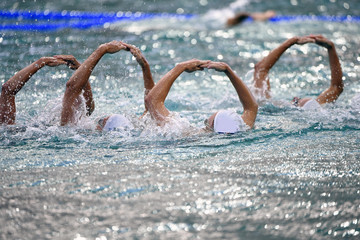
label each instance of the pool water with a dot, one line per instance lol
(296, 175)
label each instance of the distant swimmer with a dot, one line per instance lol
(262, 68)
(256, 16)
(78, 86)
(223, 121)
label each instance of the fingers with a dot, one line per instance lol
(113, 47)
(128, 46)
(322, 41)
(70, 60)
(304, 40)
(52, 62)
(218, 66)
(65, 57)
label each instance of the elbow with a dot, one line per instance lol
(254, 108)
(338, 89)
(70, 85)
(6, 89)
(259, 65)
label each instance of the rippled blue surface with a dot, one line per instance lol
(295, 176)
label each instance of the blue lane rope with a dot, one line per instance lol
(302, 18)
(52, 21)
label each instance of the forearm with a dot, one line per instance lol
(162, 88)
(154, 100)
(246, 98)
(15, 83)
(263, 67)
(82, 74)
(148, 79)
(336, 86)
(268, 62)
(335, 66)
(89, 100)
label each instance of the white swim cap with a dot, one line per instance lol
(117, 121)
(312, 104)
(227, 121)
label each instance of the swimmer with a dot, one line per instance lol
(79, 80)
(11, 87)
(257, 16)
(222, 121)
(262, 68)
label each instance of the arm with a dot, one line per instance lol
(154, 101)
(147, 76)
(87, 92)
(336, 84)
(246, 98)
(15, 84)
(148, 79)
(79, 79)
(263, 67)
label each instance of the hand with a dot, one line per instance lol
(194, 65)
(136, 53)
(304, 40)
(51, 62)
(70, 61)
(218, 66)
(113, 46)
(322, 41)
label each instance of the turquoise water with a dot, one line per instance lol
(295, 176)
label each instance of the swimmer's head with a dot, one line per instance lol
(209, 122)
(101, 123)
(224, 121)
(113, 122)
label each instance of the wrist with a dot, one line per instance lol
(181, 66)
(41, 62)
(293, 40)
(227, 68)
(330, 46)
(144, 64)
(102, 49)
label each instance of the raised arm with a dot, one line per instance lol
(87, 92)
(246, 98)
(15, 84)
(336, 84)
(263, 67)
(154, 101)
(148, 79)
(79, 80)
(147, 76)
